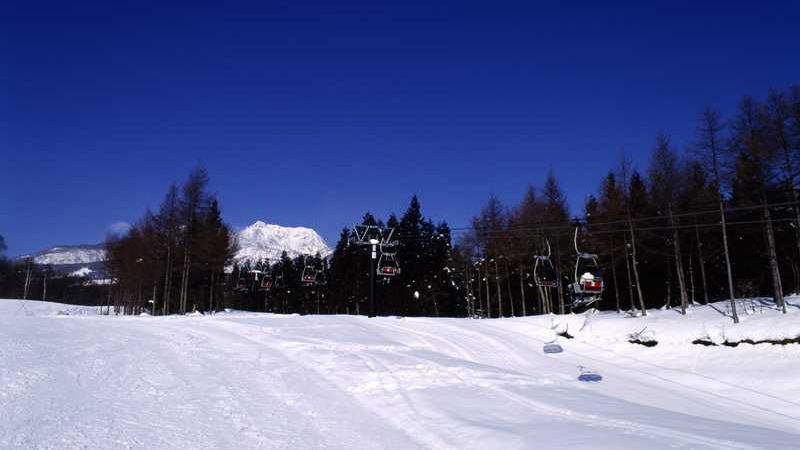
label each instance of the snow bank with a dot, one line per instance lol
(760, 320)
(20, 308)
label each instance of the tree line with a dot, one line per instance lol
(25, 280)
(716, 220)
(424, 285)
(173, 260)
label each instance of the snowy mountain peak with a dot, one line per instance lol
(69, 254)
(263, 240)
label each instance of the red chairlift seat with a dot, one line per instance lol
(388, 270)
(595, 285)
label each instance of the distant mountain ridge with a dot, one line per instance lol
(68, 254)
(257, 241)
(77, 260)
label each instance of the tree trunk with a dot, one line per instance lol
(636, 268)
(488, 297)
(108, 296)
(630, 280)
(559, 285)
(701, 261)
(499, 291)
(138, 308)
(614, 276)
(668, 285)
(797, 223)
(796, 211)
(27, 280)
(480, 291)
(167, 281)
(691, 280)
(790, 186)
(796, 273)
(679, 263)
(728, 260)
(508, 284)
(522, 290)
(773, 260)
(185, 281)
(544, 297)
(211, 296)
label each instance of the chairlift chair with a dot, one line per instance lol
(266, 282)
(278, 282)
(309, 275)
(243, 283)
(587, 286)
(544, 274)
(387, 265)
(320, 279)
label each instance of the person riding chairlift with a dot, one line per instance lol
(592, 281)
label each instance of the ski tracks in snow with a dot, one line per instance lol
(337, 382)
(411, 386)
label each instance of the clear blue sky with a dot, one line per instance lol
(311, 114)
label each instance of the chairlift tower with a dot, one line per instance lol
(376, 237)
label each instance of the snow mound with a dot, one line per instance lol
(38, 308)
(760, 320)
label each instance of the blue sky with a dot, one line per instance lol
(313, 113)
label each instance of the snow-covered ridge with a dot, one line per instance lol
(69, 254)
(267, 241)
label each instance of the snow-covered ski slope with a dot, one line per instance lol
(260, 381)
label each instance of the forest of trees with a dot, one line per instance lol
(423, 286)
(716, 220)
(173, 259)
(23, 279)
(712, 221)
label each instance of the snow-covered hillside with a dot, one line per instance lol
(70, 379)
(69, 254)
(267, 241)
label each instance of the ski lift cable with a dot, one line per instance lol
(585, 219)
(660, 228)
(505, 235)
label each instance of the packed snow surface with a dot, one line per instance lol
(70, 379)
(267, 241)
